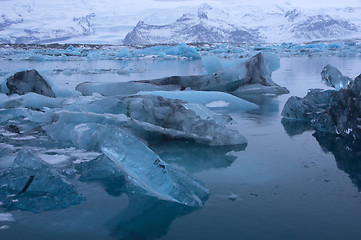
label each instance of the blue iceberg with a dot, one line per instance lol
(332, 77)
(31, 184)
(141, 165)
(250, 77)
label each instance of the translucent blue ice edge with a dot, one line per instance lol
(141, 165)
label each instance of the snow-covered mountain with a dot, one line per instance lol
(211, 26)
(43, 22)
(193, 28)
(320, 27)
(161, 22)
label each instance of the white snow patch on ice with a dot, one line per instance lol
(215, 104)
(23, 138)
(54, 159)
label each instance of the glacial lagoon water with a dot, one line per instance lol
(285, 184)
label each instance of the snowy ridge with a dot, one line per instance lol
(43, 22)
(164, 22)
(201, 27)
(259, 26)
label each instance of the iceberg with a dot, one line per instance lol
(255, 73)
(30, 100)
(335, 112)
(182, 50)
(257, 70)
(212, 100)
(315, 102)
(332, 77)
(31, 184)
(29, 81)
(146, 116)
(140, 164)
(178, 119)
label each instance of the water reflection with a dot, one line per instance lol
(105, 172)
(347, 151)
(268, 105)
(295, 127)
(196, 157)
(145, 218)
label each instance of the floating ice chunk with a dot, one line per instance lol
(123, 53)
(119, 88)
(6, 217)
(344, 112)
(37, 58)
(256, 70)
(29, 81)
(336, 112)
(141, 165)
(30, 100)
(212, 100)
(315, 102)
(182, 50)
(233, 197)
(258, 76)
(212, 64)
(259, 89)
(178, 119)
(332, 77)
(147, 116)
(31, 184)
(61, 123)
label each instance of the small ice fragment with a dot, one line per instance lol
(4, 227)
(29, 81)
(332, 77)
(233, 197)
(6, 217)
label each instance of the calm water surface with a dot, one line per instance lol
(286, 184)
